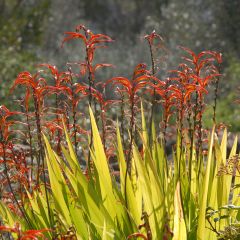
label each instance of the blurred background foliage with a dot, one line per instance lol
(21, 31)
(31, 33)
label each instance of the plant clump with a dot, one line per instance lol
(65, 175)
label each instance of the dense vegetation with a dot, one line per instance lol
(77, 165)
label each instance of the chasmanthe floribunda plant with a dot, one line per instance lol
(81, 176)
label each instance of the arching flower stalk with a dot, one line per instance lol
(162, 89)
(73, 107)
(122, 116)
(216, 70)
(140, 79)
(25, 106)
(180, 93)
(91, 42)
(75, 93)
(152, 39)
(60, 79)
(38, 87)
(200, 64)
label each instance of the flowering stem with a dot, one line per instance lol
(199, 144)
(91, 84)
(122, 119)
(216, 96)
(180, 120)
(154, 91)
(58, 122)
(73, 111)
(129, 156)
(30, 144)
(166, 112)
(190, 130)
